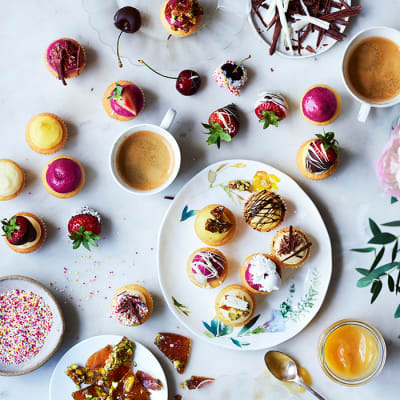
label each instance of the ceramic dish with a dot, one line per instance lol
(216, 32)
(54, 337)
(266, 36)
(61, 387)
(280, 315)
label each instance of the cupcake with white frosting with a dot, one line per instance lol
(12, 179)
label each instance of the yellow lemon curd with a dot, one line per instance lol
(351, 352)
(45, 132)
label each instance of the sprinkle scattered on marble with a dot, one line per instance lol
(25, 321)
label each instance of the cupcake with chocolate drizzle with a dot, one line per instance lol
(132, 305)
(207, 267)
(215, 225)
(264, 211)
(291, 247)
(65, 58)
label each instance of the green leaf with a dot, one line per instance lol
(378, 258)
(375, 290)
(374, 227)
(383, 238)
(269, 118)
(226, 137)
(391, 283)
(210, 329)
(397, 313)
(394, 251)
(393, 200)
(258, 330)
(76, 244)
(364, 250)
(86, 245)
(362, 271)
(247, 326)
(392, 223)
(398, 283)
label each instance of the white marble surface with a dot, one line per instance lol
(131, 224)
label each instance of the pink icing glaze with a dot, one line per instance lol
(63, 175)
(217, 263)
(319, 104)
(249, 278)
(63, 43)
(139, 102)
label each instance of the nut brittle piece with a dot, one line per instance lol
(196, 382)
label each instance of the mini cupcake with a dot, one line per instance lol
(264, 211)
(132, 305)
(261, 274)
(318, 158)
(46, 133)
(123, 100)
(270, 108)
(12, 179)
(63, 177)
(320, 105)
(235, 305)
(231, 76)
(207, 267)
(181, 17)
(65, 58)
(291, 247)
(24, 232)
(215, 225)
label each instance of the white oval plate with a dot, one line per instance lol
(280, 315)
(61, 386)
(266, 36)
(54, 337)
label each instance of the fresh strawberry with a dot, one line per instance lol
(271, 108)
(124, 98)
(326, 147)
(223, 124)
(85, 228)
(18, 230)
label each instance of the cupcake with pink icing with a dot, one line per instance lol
(207, 267)
(65, 58)
(261, 274)
(231, 76)
(123, 100)
(63, 177)
(320, 105)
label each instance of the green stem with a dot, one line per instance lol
(241, 62)
(119, 58)
(158, 73)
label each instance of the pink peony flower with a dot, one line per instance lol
(388, 165)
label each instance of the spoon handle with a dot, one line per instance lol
(310, 389)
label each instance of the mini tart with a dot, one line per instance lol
(131, 290)
(214, 238)
(46, 133)
(326, 102)
(58, 194)
(291, 247)
(12, 179)
(264, 211)
(301, 164)
(174, 31)
(219, 259)
(66, 71)
(37, 224)
(245, 266)
(238, 319)
(123, 115)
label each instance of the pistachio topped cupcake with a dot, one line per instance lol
(132, 305)
(235, 305)
(215, 225)
(12, 179)
(46, 133)
(264, 211)
(291, 247)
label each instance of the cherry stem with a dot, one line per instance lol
(241, 62)
(158, 73)
(119, 58)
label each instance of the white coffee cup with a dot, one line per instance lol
(162, 130)
(380, 31)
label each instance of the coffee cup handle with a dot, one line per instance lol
(364, 111)
(168, 119)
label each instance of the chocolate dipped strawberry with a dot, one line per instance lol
(84, 228)
(223, 125)
(18, 230)
(271, 108)
(322, 153)
(124, 98)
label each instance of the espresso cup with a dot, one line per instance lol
(161, 130)
(379, 31)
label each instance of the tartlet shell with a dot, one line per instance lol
(12, 196)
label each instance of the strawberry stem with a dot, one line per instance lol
(119, 58)
(241, 62)
(158, 73)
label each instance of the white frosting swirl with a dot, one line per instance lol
(264, 273)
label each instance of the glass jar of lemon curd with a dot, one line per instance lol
(352, 352)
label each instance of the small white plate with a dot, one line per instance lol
(62, 387)
(54, 337)
(280, 315)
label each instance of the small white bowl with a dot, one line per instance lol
(162, 130)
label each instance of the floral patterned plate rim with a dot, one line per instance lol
(280, 315)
